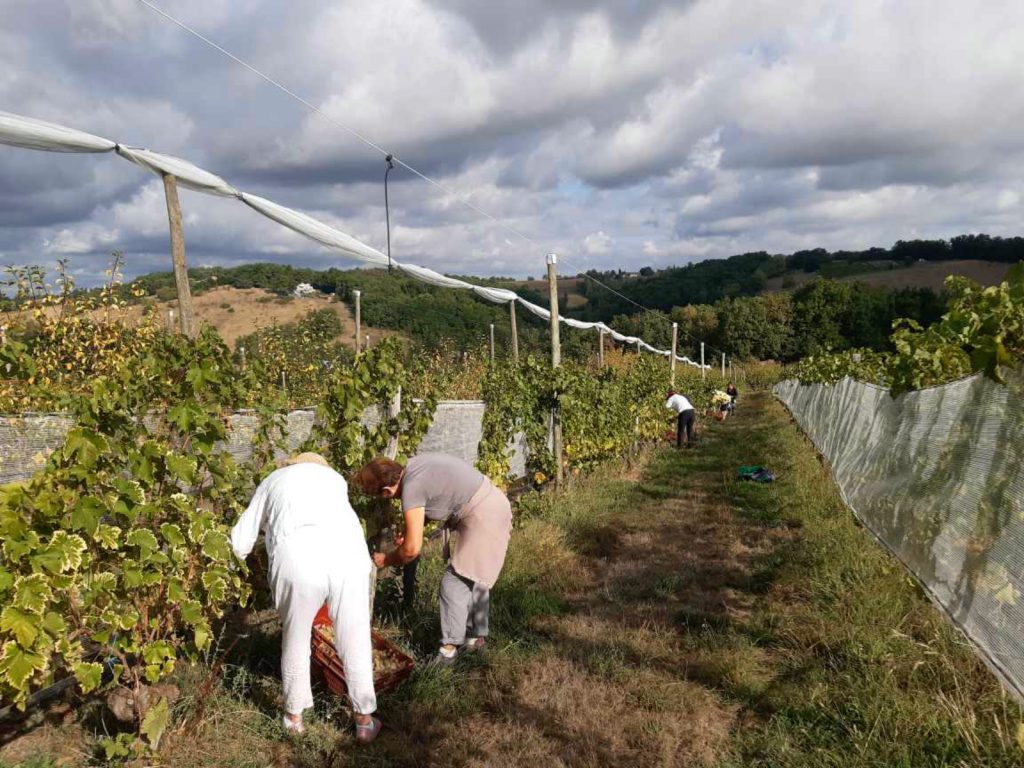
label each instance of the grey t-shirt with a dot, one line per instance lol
(439, 483)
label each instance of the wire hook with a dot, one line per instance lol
(389, 158)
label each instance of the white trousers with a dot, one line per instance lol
(311, 569)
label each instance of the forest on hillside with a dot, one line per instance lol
(432, 317)
(748, 274)
(823, 314)
(717, 301)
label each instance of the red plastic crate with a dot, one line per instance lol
(325, 658)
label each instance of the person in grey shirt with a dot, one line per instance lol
(435, 486)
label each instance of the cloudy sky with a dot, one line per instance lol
(618, 133)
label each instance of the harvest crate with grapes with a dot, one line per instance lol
(391, 665)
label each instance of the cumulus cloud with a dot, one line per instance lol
(618, 133)
(597, 244)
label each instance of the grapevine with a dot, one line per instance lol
(981, 331)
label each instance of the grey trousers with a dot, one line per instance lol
(465, 608)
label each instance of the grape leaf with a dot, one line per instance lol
(89, 675)
(32, 593)
(155, 723)
(23, 625)
(18, 666)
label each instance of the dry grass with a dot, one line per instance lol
(236, 312)
(50, 744)
(595, 711)
(249, 309)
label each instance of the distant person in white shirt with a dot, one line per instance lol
(686, 417)
(317, 555)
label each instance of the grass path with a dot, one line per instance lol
(679, 616)
(667, 616)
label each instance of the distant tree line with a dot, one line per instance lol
(716, 301)
(747, 274)
(822, 314)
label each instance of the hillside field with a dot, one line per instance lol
(568, 287)
(927, 274)
(236, 312)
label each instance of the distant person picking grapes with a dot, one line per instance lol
(686, 417)
(733, 393)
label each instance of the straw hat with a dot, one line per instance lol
(306, 458)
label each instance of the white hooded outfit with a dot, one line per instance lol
(317, 554)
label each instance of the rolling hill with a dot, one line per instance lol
(237, 312)
(922, 274)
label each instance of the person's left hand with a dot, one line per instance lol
(378, 559)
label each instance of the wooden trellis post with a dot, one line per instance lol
(556, 361)
(394, 408)
(515, 332)
(672, 359)
(186, 314)
(359, 336)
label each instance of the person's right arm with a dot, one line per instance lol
(412, 540)
(247, 529)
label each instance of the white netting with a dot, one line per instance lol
(938, 477)
(28, 133)
(187, 174)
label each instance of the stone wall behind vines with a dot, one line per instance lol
(26, 440)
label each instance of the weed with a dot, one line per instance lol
(38, 761)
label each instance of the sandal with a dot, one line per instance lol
(290, 726)
(367, 733)
(474, 644)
